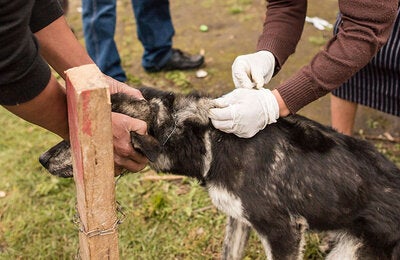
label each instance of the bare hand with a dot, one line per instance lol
(125, 157)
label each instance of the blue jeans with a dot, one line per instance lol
(154, 30)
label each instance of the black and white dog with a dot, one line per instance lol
(292, 176)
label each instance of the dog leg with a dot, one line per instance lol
(282, 238)
(293, 255)
(267, 247)
(236, 237)
(396, 251)
(346, 247)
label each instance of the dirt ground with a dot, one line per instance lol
(233, 29)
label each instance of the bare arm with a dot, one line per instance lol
(48, 109)
(61, 50)
(283, 109)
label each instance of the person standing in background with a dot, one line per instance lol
(154, 30)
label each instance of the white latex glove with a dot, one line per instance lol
(244, 112)
(253, 70)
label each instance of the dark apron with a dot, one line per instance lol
(377, 85)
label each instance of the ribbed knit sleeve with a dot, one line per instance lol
(282, 28)
(365, 28)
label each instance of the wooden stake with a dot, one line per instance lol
(89, 116)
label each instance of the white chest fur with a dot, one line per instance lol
(227, 202)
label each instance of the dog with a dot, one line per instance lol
(294, 175)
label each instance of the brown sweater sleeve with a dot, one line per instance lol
(282, 29)
(365, 28)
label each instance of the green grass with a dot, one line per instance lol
(168, 219)
(164, 219)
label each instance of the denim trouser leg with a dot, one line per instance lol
(99, 19)
(155, 31)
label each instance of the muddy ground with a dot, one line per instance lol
(233, 29)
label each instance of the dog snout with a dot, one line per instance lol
(44, 159)
(57, 160)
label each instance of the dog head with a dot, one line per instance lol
(177, 132)
(181, 126)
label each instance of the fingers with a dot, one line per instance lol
(117, 86)
(132, 91)
(258, 78)
(221, 114)
(133, 163)
(126, 157)
(222, 118)
(124, 154)
(226, 126)
(241, 73)
(220, 103)
(249, 111)
(253, 70)
(136, 125)
(247, 76)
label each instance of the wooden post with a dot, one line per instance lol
(89, 116)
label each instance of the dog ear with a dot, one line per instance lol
(167, 97)
(147, 145)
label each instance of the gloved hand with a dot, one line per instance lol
(253, 70)
(244, 112)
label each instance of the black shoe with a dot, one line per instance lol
(180, 61)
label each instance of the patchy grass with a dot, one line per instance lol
(164, 219)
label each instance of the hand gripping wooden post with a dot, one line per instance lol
(89, 116)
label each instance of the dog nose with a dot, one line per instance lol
(57, 160)
(44, 159)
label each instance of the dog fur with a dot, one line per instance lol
(294, 175)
